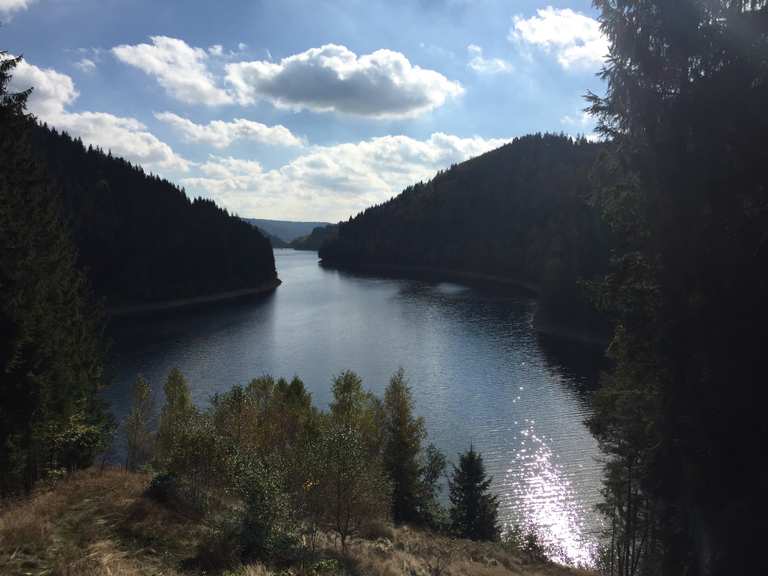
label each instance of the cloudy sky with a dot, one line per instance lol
(304, 110)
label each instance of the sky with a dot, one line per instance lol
(304, 110)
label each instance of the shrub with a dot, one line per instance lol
(163, 488)
(221, 550)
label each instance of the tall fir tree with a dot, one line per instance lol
(684, 191)
(51, 356)
(474, 511)
(402, 450)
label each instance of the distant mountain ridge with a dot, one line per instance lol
(285, 230)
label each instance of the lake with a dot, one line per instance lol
(480, 374)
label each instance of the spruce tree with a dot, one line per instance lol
(474, 511)
(402, 450)
(684, 192)
(51, 357)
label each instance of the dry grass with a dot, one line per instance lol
(418, 553)
(92, 523)
(100, 524)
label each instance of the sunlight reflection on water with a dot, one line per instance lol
(538, 488)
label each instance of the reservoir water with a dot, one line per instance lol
(480, 375)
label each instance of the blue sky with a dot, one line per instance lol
(306, 110)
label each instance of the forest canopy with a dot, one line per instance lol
(139, 237)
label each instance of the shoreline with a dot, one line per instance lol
(444, 274)
(584, 337)
(186, 302)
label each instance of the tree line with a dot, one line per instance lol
(268, 471)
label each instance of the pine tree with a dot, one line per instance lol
(51, 358)
(684, 190)
(402, 450)
(473, 511)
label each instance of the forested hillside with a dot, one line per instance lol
(315, 239)
(140, 238)
(519, 213)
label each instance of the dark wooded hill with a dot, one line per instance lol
(315, 239)
(140, 238)
(520, 213)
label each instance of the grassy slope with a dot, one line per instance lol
(99, 523)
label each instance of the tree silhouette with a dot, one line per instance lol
(473, 510)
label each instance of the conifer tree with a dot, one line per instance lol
(473, 510)
(51, 358)
(404, 436)
(684, 191)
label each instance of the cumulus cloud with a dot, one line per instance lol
(178, 67)
(333, 78)
(483, 65)
(574, 38)
(126, 137)
(52, 92)
(86, 65)
(7, 7)
(220, 134)
(332, 182)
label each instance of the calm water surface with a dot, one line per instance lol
(479, 374)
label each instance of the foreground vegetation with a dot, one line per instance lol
(270, 474)
(101, 522)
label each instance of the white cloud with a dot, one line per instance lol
(332, 182)
(7, 7)
(574, 38)
(483, 65)
(178, 67)
(580, 121)
(126, 137)
(220, 134)
(86, 65)
(333, 78)
(216, 50)
(52, 90)
(584, 123)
